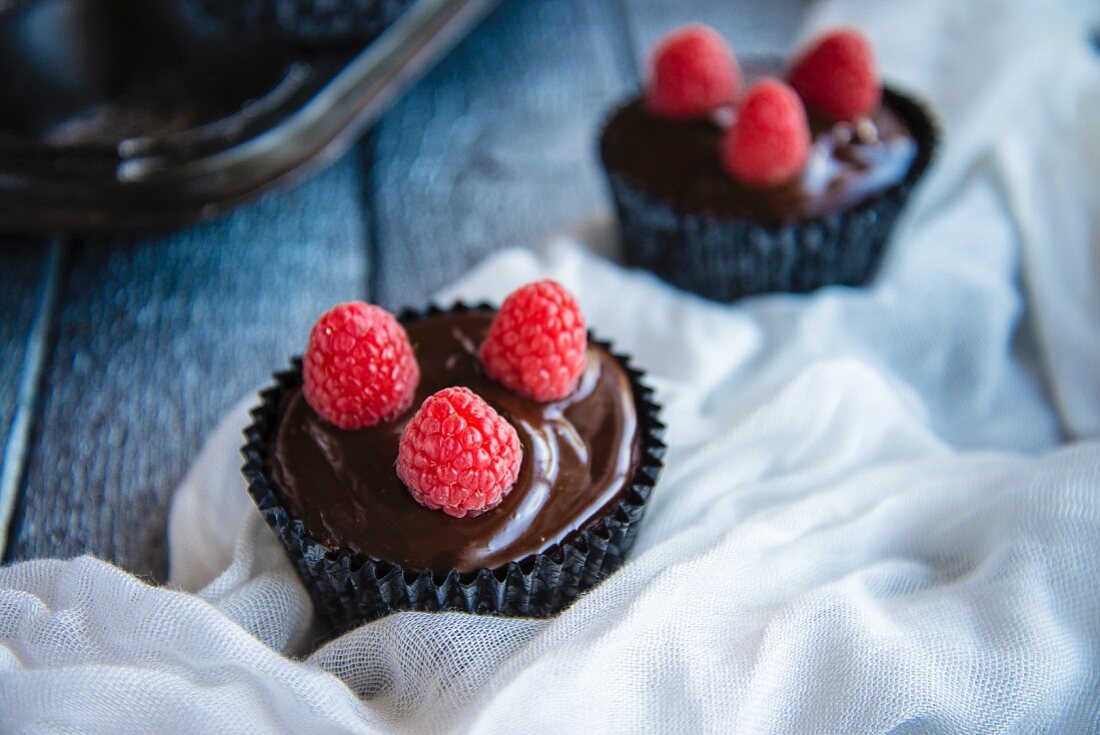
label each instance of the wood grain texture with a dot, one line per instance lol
(30, 268)
(24, 263)
(496, 147)
(155, 339)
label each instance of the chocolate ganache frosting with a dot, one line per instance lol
(579, 455)
(681, 163)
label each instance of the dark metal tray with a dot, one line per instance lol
(120, 114)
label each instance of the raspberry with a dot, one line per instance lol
(692, 73)
(458, 455)
(359, 368)
(836, 74)
(770, 141)
(536, 344)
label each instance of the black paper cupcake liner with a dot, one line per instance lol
(349, 589)
(727, 259)
(307, 21)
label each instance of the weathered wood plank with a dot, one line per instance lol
(30, 268)
(155, 338)
(496, 147)
(25, 264)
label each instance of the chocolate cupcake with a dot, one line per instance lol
(782, 188)
(539, 505)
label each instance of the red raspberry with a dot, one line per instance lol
(536, 345)
(692, 72)
(837, 75)
(770, 141)
(359, 368)
(458, 455)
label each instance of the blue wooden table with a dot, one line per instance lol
(119, 354)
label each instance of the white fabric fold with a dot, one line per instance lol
(880, 513)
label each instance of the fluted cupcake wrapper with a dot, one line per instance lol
(309, 21)
(726, 259)
(349, 589)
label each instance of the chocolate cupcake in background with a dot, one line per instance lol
(471, 459)
(731, 181)
(303, 21)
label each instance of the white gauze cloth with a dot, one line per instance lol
(880, 513)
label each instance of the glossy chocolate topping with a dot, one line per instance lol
(680, 163)
(579, 455)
